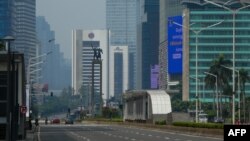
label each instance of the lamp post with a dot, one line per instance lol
(238, 87)
(196, 32)
(196, 100)
(217, 98)
(29, 64)
(28, 87)
(234, 12)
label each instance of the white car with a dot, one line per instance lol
(202, 118)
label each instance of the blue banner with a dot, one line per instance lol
(175, 45)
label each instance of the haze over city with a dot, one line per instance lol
(124, 70)
(66, 15)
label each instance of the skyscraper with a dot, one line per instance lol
(213, 42)
(82, 53)
(118, 71)
(168, 8)
(7, 19)
(122, 17)
(51, 72)
(25, 38)
(148, 41)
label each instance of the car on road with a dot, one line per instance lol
(69, 121)
(55, 121)
(218, 120)
(202, 117)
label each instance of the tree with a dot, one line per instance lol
(1, 46)
(223, 77)
(243, 79)
(85, 92)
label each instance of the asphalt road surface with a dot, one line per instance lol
(97, 132)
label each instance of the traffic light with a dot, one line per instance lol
(51, 93)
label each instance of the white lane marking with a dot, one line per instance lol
(167, 138)
(172, 132)
(38, 134)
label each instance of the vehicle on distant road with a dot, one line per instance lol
(55, 121)
(218, 120)
(202, 117)
(69, 121)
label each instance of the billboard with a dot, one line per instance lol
(155, 70)
(174, 45)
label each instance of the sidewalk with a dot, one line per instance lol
(31, 135)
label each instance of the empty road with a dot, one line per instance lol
(97, 132)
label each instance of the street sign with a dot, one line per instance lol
(23, 109)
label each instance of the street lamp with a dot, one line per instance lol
(28, 87)
(196, 100)
(29, 64)
(234, 12)
(238, 87)
(217, 98)
(196, 32)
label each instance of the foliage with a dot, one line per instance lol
(1, 46)
(180, 106)
(57, 104)
(162, 122)
(110, 113)
(199, 125)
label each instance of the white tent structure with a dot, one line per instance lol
(146, 106)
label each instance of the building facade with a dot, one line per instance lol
(168, 8)
(148, 41)
(121, 19)
(25, 38)
(212, 42)
(8, 20)
(83, 43)
(118, 71)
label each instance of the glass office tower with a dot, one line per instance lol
(7, 18)
(149, 38)
(26, 28)
(122, 19)
(212, 42)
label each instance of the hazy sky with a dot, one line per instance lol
(65, 15)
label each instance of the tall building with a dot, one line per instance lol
(118, 71)
(25, 38)
(83, 43)
(148, 41)
(51, 58)
(7, 19)
(121, 18)
(213, 41)
(168, 8)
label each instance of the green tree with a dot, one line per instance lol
(1, 46)
(85, 92)
(223, 77)
(244, 77)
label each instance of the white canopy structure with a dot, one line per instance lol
(146, 105)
